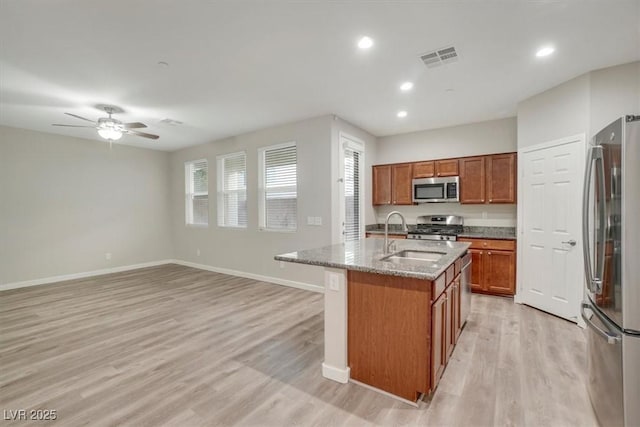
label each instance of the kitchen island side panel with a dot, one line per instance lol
(389, 332)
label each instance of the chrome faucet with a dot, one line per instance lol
(386, 229)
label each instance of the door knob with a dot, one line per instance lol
(570, 242)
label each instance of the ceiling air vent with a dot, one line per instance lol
(439, 57)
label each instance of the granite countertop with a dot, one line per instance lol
(475, 232)
(489, 232)
(364, 255)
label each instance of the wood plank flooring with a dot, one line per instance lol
(172, 345)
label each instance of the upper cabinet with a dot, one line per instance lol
(483, 179)
(472, 180)
(382, 185)
(447, 167)
(424, 169)
(392, 184)
(501, 178)
(488, 179)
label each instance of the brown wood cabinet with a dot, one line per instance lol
(488, 179)
(501, 178)
(427, 314)
(401, 184)
(493, 266)
(448, 167)
(381, 185)
(392, 184)
(424, 169)
(472, 180)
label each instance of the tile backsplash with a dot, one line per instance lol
(474, 215)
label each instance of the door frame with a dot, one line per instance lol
(579, 291)
(346, 140)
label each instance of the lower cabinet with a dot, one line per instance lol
(493, 268)
(445, 329)
(401, 331)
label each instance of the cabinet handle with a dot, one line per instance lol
(490, 200)
(488, 253)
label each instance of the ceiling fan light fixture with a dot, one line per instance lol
(110, 133)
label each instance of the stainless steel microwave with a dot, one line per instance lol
(436, 190)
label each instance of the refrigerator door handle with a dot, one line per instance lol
(603, 225)
(594, 283)
(611, 338)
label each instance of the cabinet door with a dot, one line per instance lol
(438, 333)
(447, 167)
(477, 268)
(382, 185)
(500, 272)
(424, 169)
(448, 340)
(501, 178)
(472, 180)
(401, 184)
(455, 315)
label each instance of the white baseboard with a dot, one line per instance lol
(336, 374)
(259, 277)
(62, 278)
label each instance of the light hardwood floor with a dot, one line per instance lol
(172, 345)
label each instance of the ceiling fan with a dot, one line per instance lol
(110, 128)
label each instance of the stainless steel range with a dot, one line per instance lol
(437, 227)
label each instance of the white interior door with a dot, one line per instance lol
(550, 273)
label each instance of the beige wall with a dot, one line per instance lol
(615, 91)
(251, 250)
(583, 105)
(65, 202)
(494, 136)
(556, 113)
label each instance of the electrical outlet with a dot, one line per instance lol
(281, 264)
(318, 220)
(334, 282)
(107, 256)
(198, 252)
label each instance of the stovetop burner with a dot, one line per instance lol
(437, 227)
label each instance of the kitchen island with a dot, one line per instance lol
(391, 319)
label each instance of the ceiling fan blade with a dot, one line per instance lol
(142, 134)
(74, 126)
(78, 117)
(135, 125)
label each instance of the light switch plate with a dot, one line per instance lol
(318, 220)
(310, 220)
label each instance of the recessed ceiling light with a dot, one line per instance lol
(544, 51)
(365, 42)
(406, 86)
(402, 114)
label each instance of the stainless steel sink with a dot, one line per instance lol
(413, 255)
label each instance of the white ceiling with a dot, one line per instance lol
(237, 66)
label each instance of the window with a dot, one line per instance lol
(353, 194)
(278, 187)
(232, 190)
(197, 192)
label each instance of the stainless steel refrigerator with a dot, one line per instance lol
(611, 236)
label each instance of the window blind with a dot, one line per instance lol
(280, 190)
(197, 194)
(352, 224)
(232, 190)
